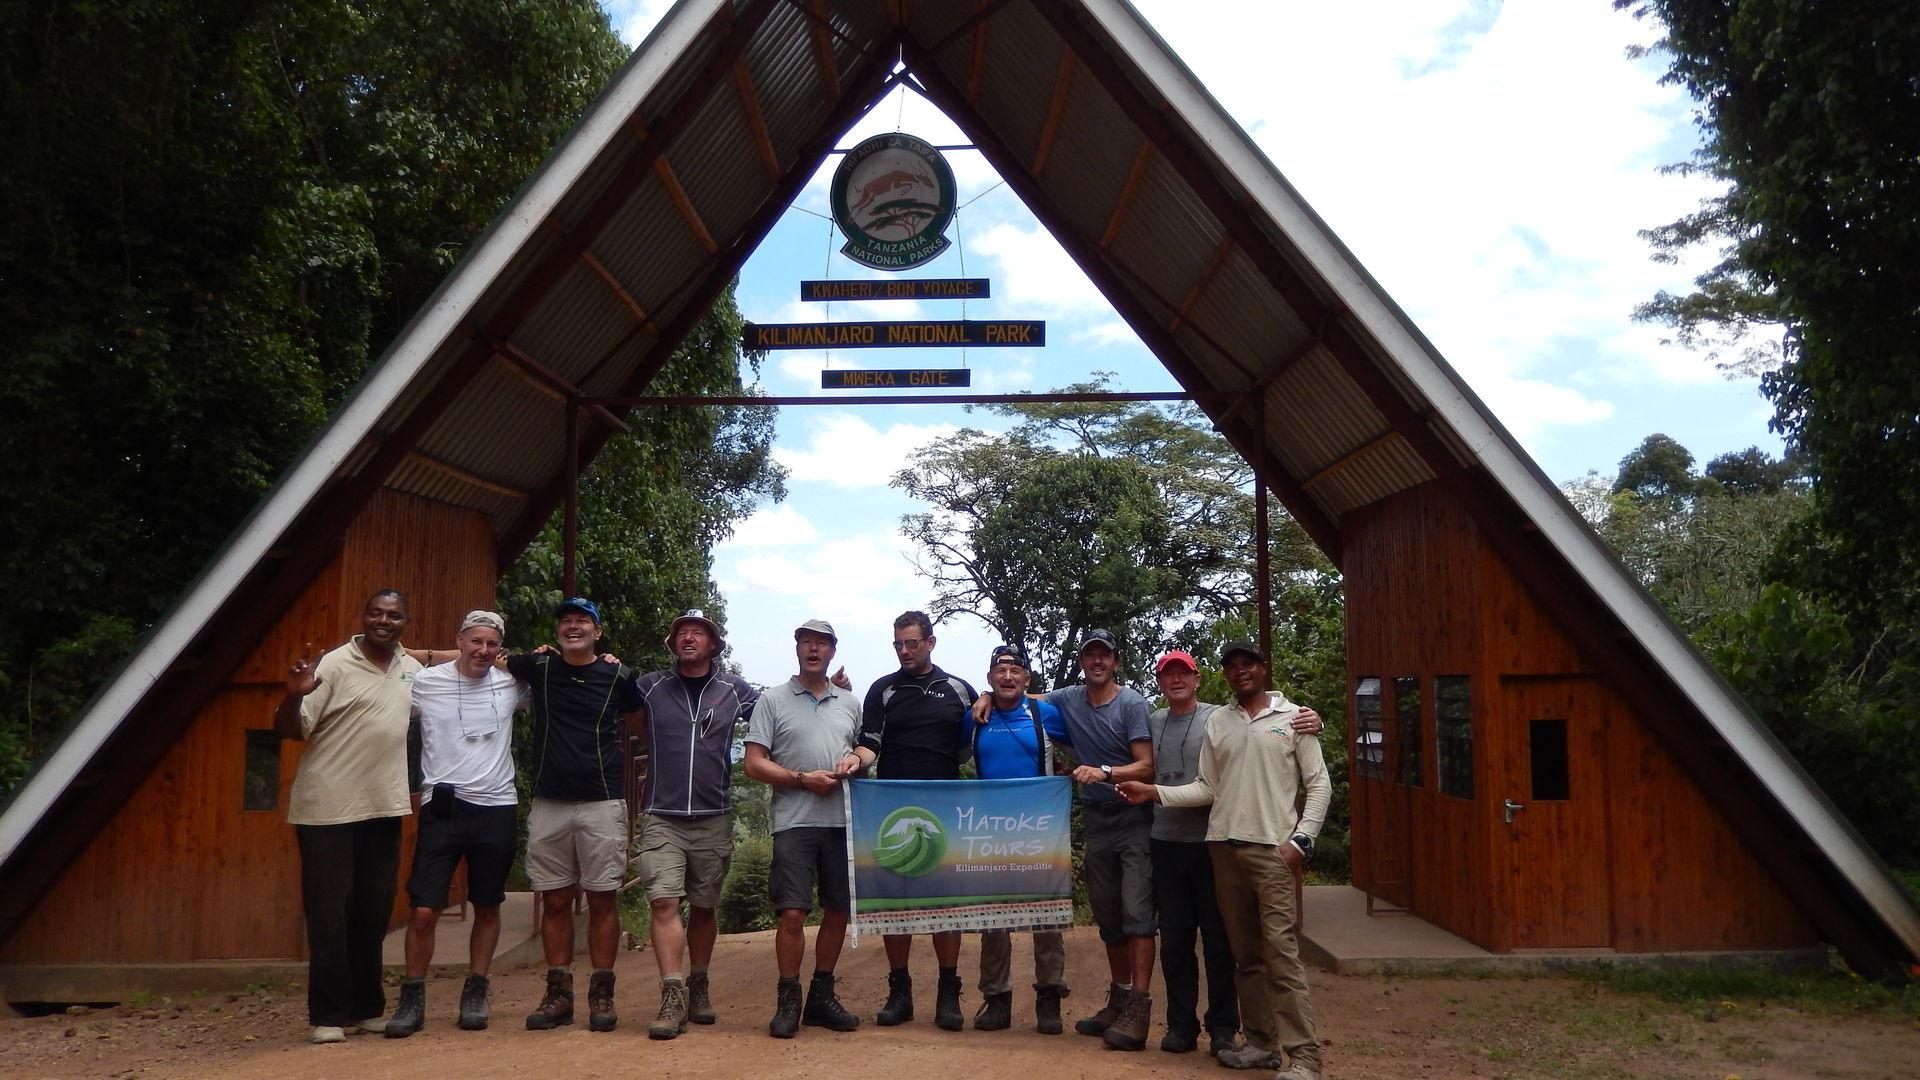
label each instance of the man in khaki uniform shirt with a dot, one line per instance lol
(1253, 769)
(351, 706)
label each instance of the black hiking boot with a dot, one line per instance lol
(473, 1004)
(786, 1009)
(1046, 1009)
(410, 1015)
(996, 1012)
(899, 1006)
(946, 1008)
(824, 1008)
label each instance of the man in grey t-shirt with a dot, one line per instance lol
(800, 741)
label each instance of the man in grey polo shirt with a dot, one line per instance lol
(800, 742)
(1111, 740)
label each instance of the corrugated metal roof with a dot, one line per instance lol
(622, 237)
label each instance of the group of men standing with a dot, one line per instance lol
(1222, 878)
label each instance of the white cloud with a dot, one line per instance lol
(773, 526)
(847, 452)
(1032, 266)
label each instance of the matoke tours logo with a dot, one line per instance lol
(912, 842)
(893, 198)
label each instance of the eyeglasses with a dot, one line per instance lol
(908, 644)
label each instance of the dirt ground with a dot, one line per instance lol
(1373, 1027)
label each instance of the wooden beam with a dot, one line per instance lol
(1062, 82)
(1214, 262)
(823, 52)
(756, 118)
(1349, 458)
(1122, 205)
(619, 291)
(977, 53)
(551, 383)
(676, 192)
(465, 477)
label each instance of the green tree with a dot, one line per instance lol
(217, 214)
(1656, 469)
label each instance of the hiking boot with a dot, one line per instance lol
(600, 1015)
(1046, 1009)
(996, 1013)
(557, 1007)
(786, 1009)
(473, 1003)
(699, 999)
(946, 1008)
(1219, 1039)
(673, 1010)
(1179, 1042)
(899, 1006)
(1299, 1070)
(1129, 1032)
(1250, 1057)
(1099, 1022)
(824, 1008)
(411, 1013)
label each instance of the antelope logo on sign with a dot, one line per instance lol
(893, 197)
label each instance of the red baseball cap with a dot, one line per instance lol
(1176, 656)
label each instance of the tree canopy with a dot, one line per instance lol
(217, 215)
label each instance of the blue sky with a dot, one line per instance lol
(1489, 163)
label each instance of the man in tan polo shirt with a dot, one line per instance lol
(1254, 766)
(351, 707)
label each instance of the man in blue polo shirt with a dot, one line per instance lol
(1017, 741)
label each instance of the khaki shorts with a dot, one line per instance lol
(685, 857)
(576, 843)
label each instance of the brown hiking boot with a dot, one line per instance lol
(1130, 1031)
(600, 1002)
(673, 1010)
(699, 999)
(1099, 1022)
(557, 1007)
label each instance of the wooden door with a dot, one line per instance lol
(1549, 800)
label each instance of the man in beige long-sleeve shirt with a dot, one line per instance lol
(1253, 769)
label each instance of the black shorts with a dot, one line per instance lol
(482, 835)
(807, 856)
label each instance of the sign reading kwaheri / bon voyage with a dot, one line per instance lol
(965, 288)
(893, 197)
(978, 333)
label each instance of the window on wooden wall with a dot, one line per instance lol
(1406, 710)
(262, 778)
(1453, 727)
(1547, 753)
(1369, 729)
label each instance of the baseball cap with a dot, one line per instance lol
(1177, 656)
(580, 604)
(1098, 637)
(818, 626)
(1007, 654)
(489, 619)
(699, 616)
(1247, 647)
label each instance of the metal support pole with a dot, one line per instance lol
(1262, 566)
(570, 516)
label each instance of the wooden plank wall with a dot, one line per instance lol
(1425, 597)
(182, 872)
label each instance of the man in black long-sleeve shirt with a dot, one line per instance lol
(917, 721)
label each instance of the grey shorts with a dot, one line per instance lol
(1119, 865)
(807, 857)
(685, 857)
(576, 843)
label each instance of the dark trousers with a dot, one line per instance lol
(1183, 890)
(347, 878)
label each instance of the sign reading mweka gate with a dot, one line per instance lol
(889, 378)
(976, 333)
(972, 288)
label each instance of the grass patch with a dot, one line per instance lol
(1710, 994)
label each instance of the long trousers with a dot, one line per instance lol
(347, 879)
(1183, 891)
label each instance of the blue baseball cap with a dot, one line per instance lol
(580, 604)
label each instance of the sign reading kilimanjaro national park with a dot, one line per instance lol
(893, 197)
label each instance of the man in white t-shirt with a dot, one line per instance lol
(467, 805)
(350, 707)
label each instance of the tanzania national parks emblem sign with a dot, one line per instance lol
(893, 197)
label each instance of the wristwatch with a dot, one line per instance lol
(1107, 771)
(1303, 842)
